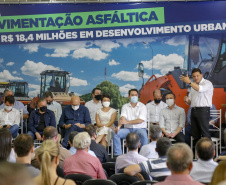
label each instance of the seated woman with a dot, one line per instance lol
(105, 119)
(48, 155)
(6, 151)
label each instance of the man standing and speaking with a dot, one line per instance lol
(200, 99)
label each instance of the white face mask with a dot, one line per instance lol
(75, 107)
(8, 108)
(170, 102)
(106, 104)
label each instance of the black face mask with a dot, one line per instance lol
(157, 101)
(49, 103)
(43, 109)
(98, 97)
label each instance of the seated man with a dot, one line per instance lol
(24, 149)
(172, 119)
(179, 161)
(9, 116)
(204, 167)
(156, 168)
(149, 149)
(95, 104)
(53, 106)
(52, 133)
(82, 162)
(17, 104)
(154, 108)
(74, 118)
(134, 119)
(40, 119)
(132, 157)
(72, 148)
(97, 148)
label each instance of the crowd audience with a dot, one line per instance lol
(204, 167)
(51, 133)
(72, 148)
(105, 119)
(156, 168)
(82, 162)
(149, 149)
(14, 174)
(179, 161)
(132, 156)
(99, 150)
(24, 149)
(6, 151)
(85, 143)
(49, 156)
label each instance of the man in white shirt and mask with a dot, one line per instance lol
(94, 104)
(74, 118)
(9, 116)
(172, 119)
(134, 119)
(155, 107)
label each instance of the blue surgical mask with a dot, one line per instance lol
(134, 99)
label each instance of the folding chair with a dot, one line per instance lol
(216, 114)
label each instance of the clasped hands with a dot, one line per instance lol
(77, 124)
(170, 135)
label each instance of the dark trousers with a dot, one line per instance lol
(67, 133)
(179, 138)
(200, 117)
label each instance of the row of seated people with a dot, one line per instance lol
(175, 162)
(75, 117)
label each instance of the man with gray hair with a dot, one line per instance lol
(149, 149)
(132, 157)
(82, 162)
(204, 167)
(179, 161)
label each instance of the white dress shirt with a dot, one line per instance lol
(93, 107)
(133, 113)
(9, 118)
(202, 171)
(57, 109)
(171, 119)
(203, 97)
(154, 111)
(149, 150)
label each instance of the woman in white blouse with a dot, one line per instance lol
(105, 118)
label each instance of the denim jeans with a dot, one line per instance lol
(122, 133)
(33, 134)
(14, 130)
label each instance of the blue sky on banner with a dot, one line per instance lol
(86, 61)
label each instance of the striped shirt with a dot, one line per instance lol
(155, 167)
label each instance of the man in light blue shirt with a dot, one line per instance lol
(73, 150)
(17, 105)
(53, 106)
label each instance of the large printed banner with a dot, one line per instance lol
(77, 22)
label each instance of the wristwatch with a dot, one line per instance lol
(189, 83)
